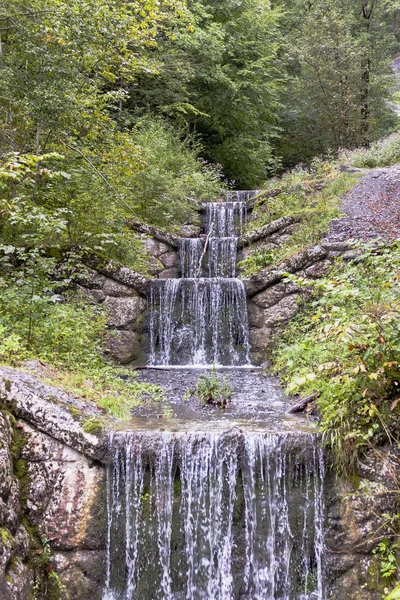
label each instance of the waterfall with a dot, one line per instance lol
(227, 218)
(198, 322)
(205, 516)
(191, 250)
(227, 514)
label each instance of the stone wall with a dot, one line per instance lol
(356, 523)
(272, 301)
(52, 494)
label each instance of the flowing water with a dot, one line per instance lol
(205, 516)
(199, 320)
(203, 503)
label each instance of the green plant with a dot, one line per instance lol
(93, 425)
(345, 346)
(383, 153)
(311, 196)
(213, 389)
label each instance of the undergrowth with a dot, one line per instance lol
(345, 345)
(42, 317)
(384, 153)
(312, 196)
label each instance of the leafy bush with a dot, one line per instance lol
(383, 153)
(346, 346)
(213, 389)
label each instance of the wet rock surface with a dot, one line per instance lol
(257, 402)
(356, 521)
(52, 487)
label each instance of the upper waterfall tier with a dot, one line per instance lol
(224, 219)
(208, 516)
(198, 322)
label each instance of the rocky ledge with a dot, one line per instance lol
(52, 493)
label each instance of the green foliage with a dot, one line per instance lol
(386, 551)
(93, 425)
(213, 389)
(340, 83)
(345, 346)
(37, 321)
(383, 153)
(310, 195)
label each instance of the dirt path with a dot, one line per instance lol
(372, 208)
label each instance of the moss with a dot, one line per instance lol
(93, 425)
(75, 413)
(6, 536)
(7, 384)
(374, 580)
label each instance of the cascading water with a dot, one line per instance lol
(197, 320)
(232, 513)
(215, 517)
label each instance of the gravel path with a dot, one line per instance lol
(372, 208)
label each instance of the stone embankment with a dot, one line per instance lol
(52, 492)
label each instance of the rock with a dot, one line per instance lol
(256, 315)
(154, 232)
(169, 259)
(124, 346)
(274, 294)
(117, 289)
(48, 409)
(320, 269)
(82, 572)
(123, 311)
(169, 274)
(155, 266)
(260, 339)
(285, 310)
(265, 231)
(189, 231)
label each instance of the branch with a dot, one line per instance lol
(205, 250)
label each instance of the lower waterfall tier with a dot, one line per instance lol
(231, 516)
(198, 322)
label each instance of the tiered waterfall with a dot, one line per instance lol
(201, 319)
(223, 513)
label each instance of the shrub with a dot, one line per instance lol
(346, 346)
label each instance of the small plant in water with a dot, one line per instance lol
(213, 389)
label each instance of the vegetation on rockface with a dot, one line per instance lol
(345, 346)
(310, 195)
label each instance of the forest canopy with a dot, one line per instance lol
(115, 109)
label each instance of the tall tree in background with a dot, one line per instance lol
(338, 57)
(220, 81)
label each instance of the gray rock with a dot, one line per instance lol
(124, 311)
(169, 259)
(320, 269)
(47, 409)
(285, 310)
(117, 289)
(256, 315)
(124, 346)
(82, 572)
(169, 274)
(260, 339)
(274, 294)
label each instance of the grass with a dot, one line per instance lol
(310, 195)
(384, 153)
(113, 389)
